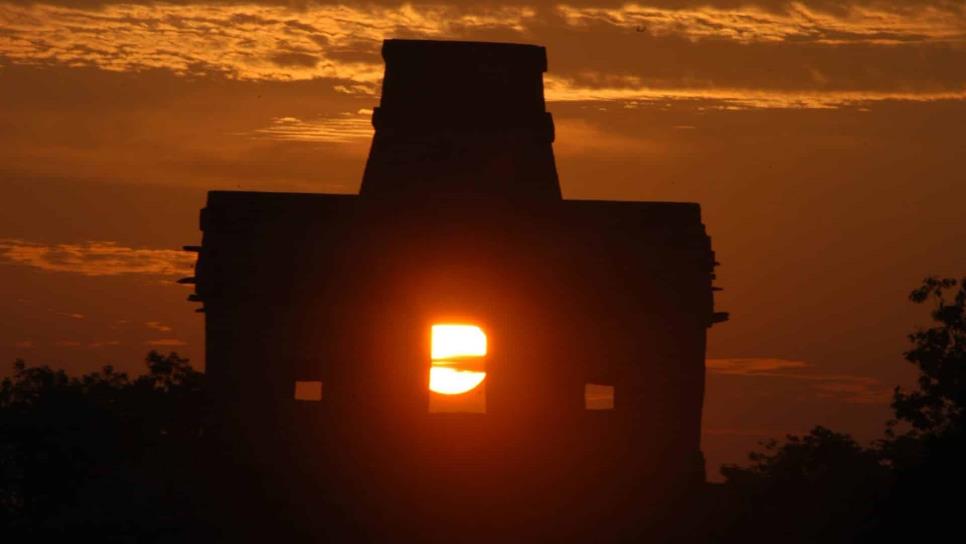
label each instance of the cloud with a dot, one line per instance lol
(843, 387)
(822, 55)
(241, 41)
(161, 130)
(882, 24)
(635, 91)
(853, 389)
(96, 258)
(294, 59)
(89, 345)
(751, 366)
(157, 326)
(103, 343)
(345, 128)
(166, 342)
(578, 137)
(761, 433)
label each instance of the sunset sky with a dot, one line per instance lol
(823, 139)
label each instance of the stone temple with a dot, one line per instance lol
(319, 322)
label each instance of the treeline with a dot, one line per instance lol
(101, 455)
(117, 458)
(910, 485)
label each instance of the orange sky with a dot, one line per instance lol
(824, 140)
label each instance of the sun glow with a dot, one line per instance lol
(455, 351)
(451, 341)
(450, 381)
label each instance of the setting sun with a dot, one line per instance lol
(456, 351)
(450, 381)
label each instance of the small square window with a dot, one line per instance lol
(598, 397)
(308, 391)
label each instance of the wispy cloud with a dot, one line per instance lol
(855, 389)
(751, 365)
(345, 128)
(157, 326)
(241, 41)
(857, 23)
(166, 342)
(103, 343)
(96, 258)
(635, 91)
(844, 387)
(761, 433)
(578, 137)
(94, 344)
(341, 43)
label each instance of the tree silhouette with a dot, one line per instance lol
(820, 487)
(99, 454)
(939, 352)
(925, 504)
(826, 487)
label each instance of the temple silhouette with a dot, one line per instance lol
(319, 310)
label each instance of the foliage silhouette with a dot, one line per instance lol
(926, 501)
(819, 487)
(101, 453)
(939, 352)
(826, 487)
